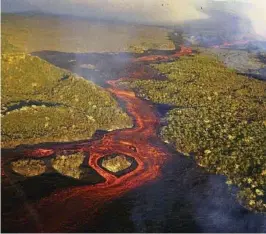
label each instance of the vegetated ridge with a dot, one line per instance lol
(219, 117)
(43, 103)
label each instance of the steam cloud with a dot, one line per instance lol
(256, 14)
(148, 11)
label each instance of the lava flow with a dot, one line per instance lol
(150, 58)
(68, 209)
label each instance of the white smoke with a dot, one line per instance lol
(254, 10)
(257, 15)
(148, 11)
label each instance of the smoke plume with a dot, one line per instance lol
(139, 11)
(167, 12)
(256, 14)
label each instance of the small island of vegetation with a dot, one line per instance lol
(28, 167)
(117, 163)
(69, 165)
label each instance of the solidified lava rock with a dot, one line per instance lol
(29, 167)
(117, 163)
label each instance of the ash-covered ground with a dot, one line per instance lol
(244, 61)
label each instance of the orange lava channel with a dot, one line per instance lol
(67, 209)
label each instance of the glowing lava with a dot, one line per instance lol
(66, 210)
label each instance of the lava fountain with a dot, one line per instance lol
(68, 209)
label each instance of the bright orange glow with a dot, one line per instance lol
(39, 153)
(66, 209)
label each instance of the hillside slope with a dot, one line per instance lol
(38, 32)
(43, 103)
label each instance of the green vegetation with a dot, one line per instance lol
(70, 108)
(140, 47)
(29, 167)
(33, 33)
(8, 48)
(69, 165)
(116, 164)
(220, 117)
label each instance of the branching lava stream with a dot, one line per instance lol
(67, 209)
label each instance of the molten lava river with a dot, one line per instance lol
(66, 209)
